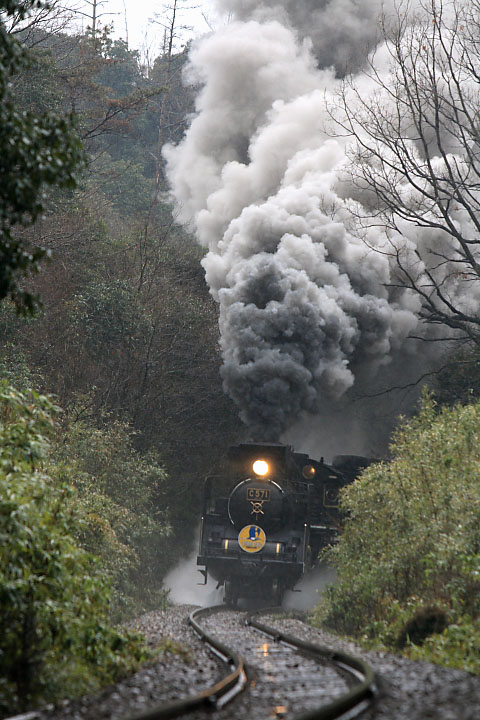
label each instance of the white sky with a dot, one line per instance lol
(137, 15)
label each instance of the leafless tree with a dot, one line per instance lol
(415, 155)
(173, 31)
(94, 12)
(40, 22)
(166, 71)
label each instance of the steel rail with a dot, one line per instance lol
(348, 704)
(213, 697)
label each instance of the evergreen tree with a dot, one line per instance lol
(36, 150)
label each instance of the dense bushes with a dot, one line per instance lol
(128, 323)
(127, 342)
(55, 636)
(121, 509)
(409, 558)
(127, 320)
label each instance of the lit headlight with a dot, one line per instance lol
(260, 467)
(309, 472)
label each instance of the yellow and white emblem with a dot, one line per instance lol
(252, 538)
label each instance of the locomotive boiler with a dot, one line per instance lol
(265, 522)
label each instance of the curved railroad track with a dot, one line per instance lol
(286, 678)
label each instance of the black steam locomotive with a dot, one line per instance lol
(258, 538)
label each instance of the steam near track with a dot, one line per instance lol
(308, 315)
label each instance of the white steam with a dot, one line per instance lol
(185, 585)
(306, 305)
(309, 589)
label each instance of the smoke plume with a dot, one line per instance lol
(342, 32)
(307, 309)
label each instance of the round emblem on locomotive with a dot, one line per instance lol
(251, 538)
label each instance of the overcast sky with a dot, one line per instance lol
(137, 14)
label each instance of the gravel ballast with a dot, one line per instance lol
(407, 690)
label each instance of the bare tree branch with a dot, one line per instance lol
(415, 152)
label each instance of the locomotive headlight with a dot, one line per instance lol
(309, 472)
(260, 467)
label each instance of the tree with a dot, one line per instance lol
(416, 156)
(408, 558)
(94, 15)
(168, 67)
(36, 150)
(55, 633)
(127, 320)
(42, 20)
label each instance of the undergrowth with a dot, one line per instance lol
(56, 635)
(408, 561)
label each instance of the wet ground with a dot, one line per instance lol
(283, 682)
(407, 690)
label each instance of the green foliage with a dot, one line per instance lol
(36, 150)
(457, 646)
(55, 636)
(125, 186)
(109, 315)
(34, 87)
(127, 321)
(121, 73)
(459, 381)
(14, 368)
(412, 538)
(127, 341)
(122, 514)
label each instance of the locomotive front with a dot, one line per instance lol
(256, 540)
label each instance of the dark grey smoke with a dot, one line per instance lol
(296, 318)
(343, 32)
(307, 313)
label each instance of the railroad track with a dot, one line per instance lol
(317, 683)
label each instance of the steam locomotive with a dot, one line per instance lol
(258, 538)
